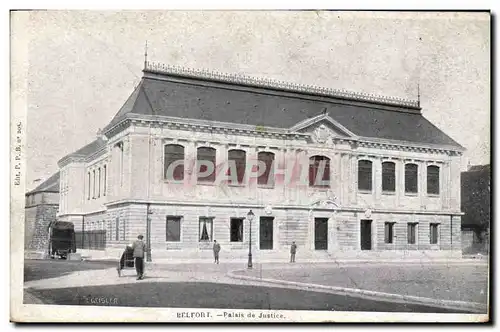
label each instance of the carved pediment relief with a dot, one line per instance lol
(322, 134)
(322, 129)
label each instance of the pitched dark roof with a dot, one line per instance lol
(49, 185)
(90, 148)
(479, 168)
(87, 150)
(192, 98)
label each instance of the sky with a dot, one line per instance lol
(84, 64)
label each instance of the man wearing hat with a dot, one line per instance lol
(139, 250)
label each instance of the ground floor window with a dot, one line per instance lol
(434, 233)
(412, 233)
(206, 229)
(173, 229)
(117, 228)
(389, 232)
(236, 230)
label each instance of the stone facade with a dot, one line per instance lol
(115, 184)
(41, 210)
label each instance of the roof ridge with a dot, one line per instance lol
(276, 84)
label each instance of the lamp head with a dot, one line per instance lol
(250, 215)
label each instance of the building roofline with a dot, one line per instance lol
(249, 81)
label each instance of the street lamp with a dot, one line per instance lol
(250, 216)
(148, 234)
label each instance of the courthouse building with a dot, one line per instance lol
(342, 174)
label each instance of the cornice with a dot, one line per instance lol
(244, 80)
(277, 133)
(279, 207)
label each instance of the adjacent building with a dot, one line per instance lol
(342, 174)
(41, 208)
(476, 205)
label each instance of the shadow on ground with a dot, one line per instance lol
(53, 268)
(218, 296)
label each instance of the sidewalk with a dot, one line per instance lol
(456, 286)
(393, 282)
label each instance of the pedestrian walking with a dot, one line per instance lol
(216, 251)
(139, 249)
(293, 250)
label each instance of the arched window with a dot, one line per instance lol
(267, 177)
(433, 180)
(365, 175)
(206, 167)
(411, 178)
(174, 162)
(239, 158)
(319, 171)
(388, 176)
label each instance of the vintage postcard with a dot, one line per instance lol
(250, 166)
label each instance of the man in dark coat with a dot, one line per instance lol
(139, 249)
(216, 252)
(293, 250)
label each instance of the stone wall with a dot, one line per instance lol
(289, 225)
(37, 239)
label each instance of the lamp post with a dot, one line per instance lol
(148, 234)
(250, 216)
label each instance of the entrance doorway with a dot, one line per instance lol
(321, 233)
(266, 233)
(366, 235)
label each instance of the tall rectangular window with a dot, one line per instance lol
(389, 232)
(174, 162)
(411, 178)
(388, 176)
(206, 164)
(238, 157)
(88, 197)
(121, 168)
(319, 171)
(99, 181)
(433, 180)
(105, 179)
(173, 228)
(266, 177)
(412, 233)
(365, 175)
(93, 184)
(434, 233)
(236, 234)
(205, 229)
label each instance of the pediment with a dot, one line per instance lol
(322, 129)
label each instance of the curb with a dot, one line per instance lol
(374, 295)
(312, 262)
